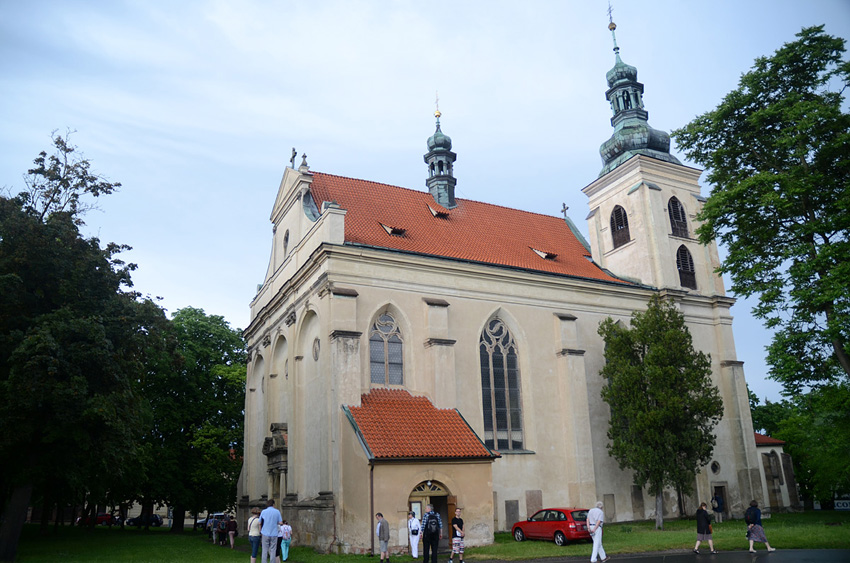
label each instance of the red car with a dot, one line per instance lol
(562, 525)
(102, 519)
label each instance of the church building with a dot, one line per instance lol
(408, 347)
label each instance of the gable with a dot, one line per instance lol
(393, 424)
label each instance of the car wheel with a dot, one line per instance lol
(518, 535)
(560, 538)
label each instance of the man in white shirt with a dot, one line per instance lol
(270, 520)
(595, 519)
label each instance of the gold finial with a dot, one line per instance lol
(437, 113)
(611, 25)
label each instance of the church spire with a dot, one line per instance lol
(632, 133)
(440, 160)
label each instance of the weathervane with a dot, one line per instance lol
(612, 26)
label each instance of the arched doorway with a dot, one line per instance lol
(437, 494)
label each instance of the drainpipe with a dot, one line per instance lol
(371, 502)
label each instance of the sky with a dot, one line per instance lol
(195, 106)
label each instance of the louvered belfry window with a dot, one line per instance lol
(678, 220)
(500, 388)
(619, 227)
(685, 265)
(386, 360)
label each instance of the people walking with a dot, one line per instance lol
(383, 532)
(704, 529)
(413, 531)
(432, 533)
(285, 540)
(755, 532)
(232, 528)
(214, 528)
(270, 521)
(595, 520)
(457, 536)
(254, 533)
(717, 507)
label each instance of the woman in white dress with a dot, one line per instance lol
(413, 530)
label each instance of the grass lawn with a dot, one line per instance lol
(785, 531)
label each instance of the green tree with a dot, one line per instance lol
(814, 428)
(194, 445)
(664, 406)
(777, 151)
(72, 338)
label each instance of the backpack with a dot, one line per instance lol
(748, 515)
(432, 527)
(714, 503)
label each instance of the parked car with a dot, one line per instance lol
(561, 525)
(139, 521)
(202, 524)
(102, 519)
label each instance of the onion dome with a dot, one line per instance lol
(632, 133)
(439, 140)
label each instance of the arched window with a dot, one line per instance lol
(678, 220)
(685, 265)
(386, 361)
(500, 388)
(285, 243)
(619, 227)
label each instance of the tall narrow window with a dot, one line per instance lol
(678, 220)
(619, 227)
(386, 361)
(685, 265)
(500, 388)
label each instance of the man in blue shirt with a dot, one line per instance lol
(270, 520)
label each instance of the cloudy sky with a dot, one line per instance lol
(195, 106)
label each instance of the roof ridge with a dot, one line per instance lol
(426, 193)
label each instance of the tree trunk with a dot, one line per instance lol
(178, 517)
(14, 516)
(659, 510)
(45, 515)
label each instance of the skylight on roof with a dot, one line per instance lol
(545, 255)
(394, 231)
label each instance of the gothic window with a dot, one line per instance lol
(500, 388)
(386, 362)
(619, 227)
(678, 220)
(685, 265)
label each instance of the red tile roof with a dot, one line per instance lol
(474, 231)
(396, 425)
(762, 440)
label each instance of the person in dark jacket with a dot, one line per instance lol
(755, 533)
(431, 534)
(703, 528)
(383, 532)
(717, 507)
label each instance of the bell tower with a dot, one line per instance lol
(440, 160)
(644, 202)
